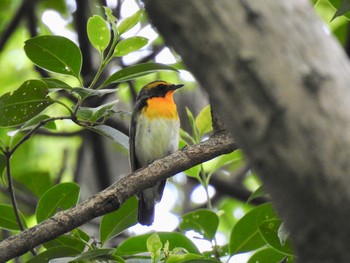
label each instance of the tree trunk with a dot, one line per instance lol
(281, 83)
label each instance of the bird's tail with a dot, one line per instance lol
(147, 200)
(145, 213)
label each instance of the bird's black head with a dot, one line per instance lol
(157, 88)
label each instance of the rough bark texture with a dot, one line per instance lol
(281, 83)
(115, 195)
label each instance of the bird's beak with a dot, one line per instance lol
(175, 87)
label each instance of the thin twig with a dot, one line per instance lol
(11, 191)
(12, 195)
(31, 132)
(8, 154)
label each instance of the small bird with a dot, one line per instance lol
(154, 134)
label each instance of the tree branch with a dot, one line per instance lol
(113, 197)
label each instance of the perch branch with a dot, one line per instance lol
(114, 196)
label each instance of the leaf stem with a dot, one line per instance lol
(64, 105)
(80, 79)
(204, 179)
(205, 184)
(98, 74)
(104, 62)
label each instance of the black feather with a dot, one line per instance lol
(145, 214)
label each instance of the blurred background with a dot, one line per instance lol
(71, 153)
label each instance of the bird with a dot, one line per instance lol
(154, 134)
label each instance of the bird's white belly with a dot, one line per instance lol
(155, 139)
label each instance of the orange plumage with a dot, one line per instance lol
(159, 107)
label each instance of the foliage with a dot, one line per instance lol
(63, 102)
(343, 7)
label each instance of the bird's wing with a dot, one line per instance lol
(132, 132)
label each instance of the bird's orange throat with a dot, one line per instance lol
(159, 107)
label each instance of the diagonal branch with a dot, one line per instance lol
(114, 196)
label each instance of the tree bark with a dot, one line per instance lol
(281, 83)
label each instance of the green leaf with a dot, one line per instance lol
(230, 213)
(136, 71)
(202, 221)
(101, 253)
(267, 255)
(129, 45)
(77, 239)
(94, 114)
(192, 124)
(194, 171)
(129, 22)
(116, 222)
(60, 197)
(37, 182)
(113, 134)
(269, 232)
(53, 253)
(24, 103)
(203, 121)
(257, 193)
(186, 137)
(98, 33)
(218, 162)
(190, 118)
(182, 143)
(187, 258)
(193, 260)
(61, 260)
(67, 241)
(111, 19)
(56, 84)
(104, 111)
(342, 8)
(137, 244)
(2, 163)
(55, 53)
(245, 235)
(85, 113)
(85, 93)
(8, 219)
(154, 246)
(36, 120)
